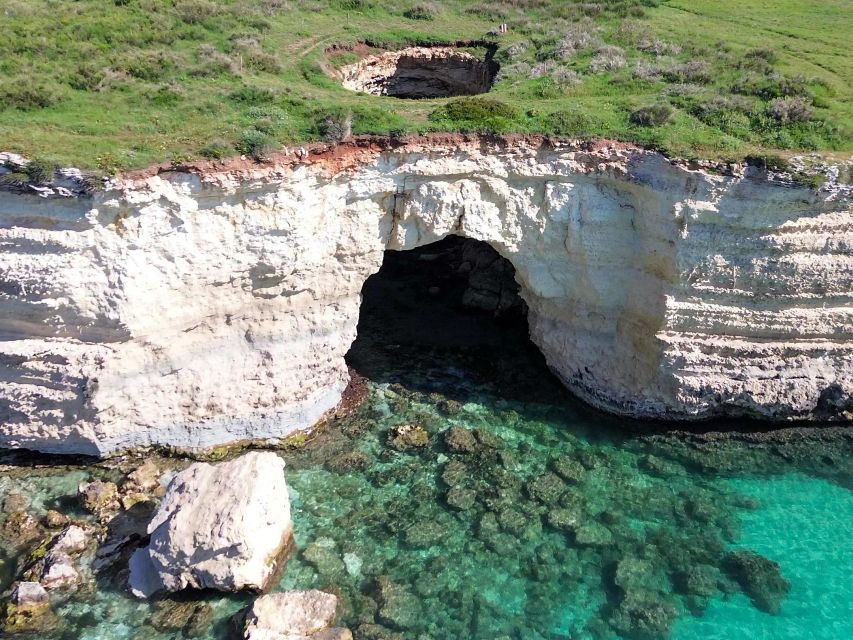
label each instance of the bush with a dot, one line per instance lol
(26, 94)
(256, 144)
(579, 37)
(336, 128)
(789, 110)
(254, 56)
(477, 114)
(693, 71)
(250, 94)
(150, 66)
(569, 123)
(216, 150)
(607, 58)
(768, 162)
(40, 170)
(195, 11)
(652, 116)
(770, 86)
(423, 11)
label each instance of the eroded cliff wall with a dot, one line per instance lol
(193, 309)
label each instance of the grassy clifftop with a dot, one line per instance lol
(118, 84)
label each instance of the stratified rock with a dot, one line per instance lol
(460, 440)
(291, 615)
(219, 526)
(760, 578)
(407, 436)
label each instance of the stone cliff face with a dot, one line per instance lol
(195, 309)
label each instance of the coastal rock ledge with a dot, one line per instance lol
(197, 308)
(223, 526)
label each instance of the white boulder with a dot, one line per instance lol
(220, 526)
(294, 615)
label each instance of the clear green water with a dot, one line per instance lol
(650, 508)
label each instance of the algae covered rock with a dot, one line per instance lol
(460, 440)
(407, 436)
(461, 498)
(547, 488)
(28, 610)
(760, 578)
(568, 468)
(348, 461)
(398, 607)
(99, 497)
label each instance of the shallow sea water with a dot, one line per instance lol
(526, 553)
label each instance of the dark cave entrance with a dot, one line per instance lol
(447, 318)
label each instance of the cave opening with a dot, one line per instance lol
(421, 72)
(447, 318)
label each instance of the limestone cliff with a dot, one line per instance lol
(197, 308)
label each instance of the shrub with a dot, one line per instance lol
(477, 113)
(581, 36)
(569, 123)
(336, 128)
(216, 150)
(607, 58)
(422, 11)
(774, 85)
(195, 11)
(213, 62)
(768, 162)
(150, 66)
(254, 57)
(694, 71)
(658, 47)
(789, 110)
(652, 116)
(250, 94)
(26, 94)
(40, 170)
(256, 144)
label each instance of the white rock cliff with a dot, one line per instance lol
(195, 309)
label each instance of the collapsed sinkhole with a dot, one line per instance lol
(447, 317)
(421, 72)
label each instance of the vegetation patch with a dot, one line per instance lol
(118, 85)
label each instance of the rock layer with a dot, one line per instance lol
(192, 309)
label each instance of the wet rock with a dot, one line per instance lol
(460, 440)
(661, 467)
(221, 526)
(406, 437)
(99, 497)
(487, 439)
(15, 502)
(58, 571)
(28, 610)
(564, 519)
(454, 473)
(171, 615)
(644, 615)
(324, 557)
(699, 580)
(20, 529)
(461, 498)
(593, 534)
(425, 534)
(760, 578)
(398, 607)
(568, 468)
(547, 488)
(72, 540)
(293, 615)
(376, 632)
(449, 407)
(54, 520)
(348, 462)
(200, 621)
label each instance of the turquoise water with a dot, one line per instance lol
(518, 551)
(806, 525)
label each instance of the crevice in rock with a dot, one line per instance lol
(421, 72)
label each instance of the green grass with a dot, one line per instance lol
(120, 84)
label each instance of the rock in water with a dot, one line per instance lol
(221, 526)
(294, 615)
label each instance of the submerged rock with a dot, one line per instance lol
(407, 436)
(460, 440)
(99, 497)
(294, 615)
(348, 461)
(219, 526)
(760, 578)
(398, 607)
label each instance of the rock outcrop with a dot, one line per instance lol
(221, 526)
(194, 309)
(294, 615)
